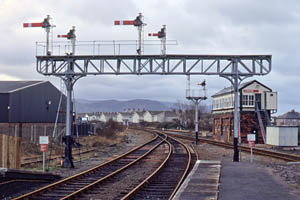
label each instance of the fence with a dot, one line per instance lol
(10, 151)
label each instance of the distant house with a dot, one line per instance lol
(157, 116)
(170, 116)
(135, 118)
(291, 118)
(102, 117)
(145, 116)
(132, 116)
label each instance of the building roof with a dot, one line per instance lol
(155, 112)
(170, 114)
(12, 86)
(126, 114)
(229, 90)
(290, 115)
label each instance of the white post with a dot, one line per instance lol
(140, 30)
(44, 161)
(73, 41)
(196, 120)
(251, 156)
(47, 37)
(188, 85)
(164, 41)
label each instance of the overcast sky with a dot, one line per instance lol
(200, 27)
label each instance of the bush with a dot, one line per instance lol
(109, 129)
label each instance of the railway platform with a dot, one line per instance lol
(202, 182)
(13, 174)
(244, 180)
(226, 180)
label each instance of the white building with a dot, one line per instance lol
(145, 116)
(132, 116)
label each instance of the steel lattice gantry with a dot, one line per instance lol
(222, 65)
(70, 68)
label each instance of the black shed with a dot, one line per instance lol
(30, 102)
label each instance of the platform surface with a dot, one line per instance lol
(246, 181)
(202, 183)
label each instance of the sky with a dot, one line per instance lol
(199, 27)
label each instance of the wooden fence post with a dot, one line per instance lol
(10, 151)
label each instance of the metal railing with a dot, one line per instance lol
(101, 47)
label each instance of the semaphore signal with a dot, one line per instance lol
(138, 22)
(70, 36)
(163, 36)
(46, 25)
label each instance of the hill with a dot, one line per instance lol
(83, 105)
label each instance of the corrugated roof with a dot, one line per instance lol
(290, 115)
(11, 86)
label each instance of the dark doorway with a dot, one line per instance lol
(258, 100)
(255, 131)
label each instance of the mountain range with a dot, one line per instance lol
(86, 106)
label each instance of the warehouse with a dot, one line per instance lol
(256, 104)
(29, 107)
(29, 102)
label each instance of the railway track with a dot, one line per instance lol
(258, 151)
(165, 181)
(27, 161)
(122, 175)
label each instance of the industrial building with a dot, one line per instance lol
(256, 104)
(29, 102)
(29, 108)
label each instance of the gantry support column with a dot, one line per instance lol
(70, 78)
(196, 120)
(236, 112)
(68, 163)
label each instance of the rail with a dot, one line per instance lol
(135, 190)
(64, 181)
(114, 173)
(278, 155)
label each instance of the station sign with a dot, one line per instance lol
(250, 91)
(251, 140)
(44, 141)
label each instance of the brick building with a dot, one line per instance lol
(256, 103)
